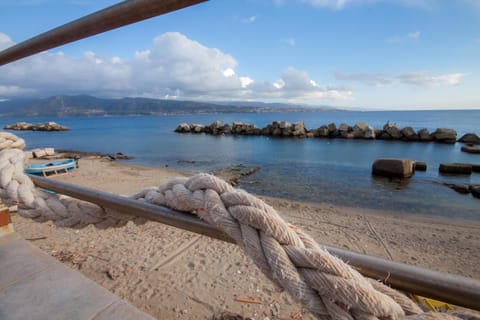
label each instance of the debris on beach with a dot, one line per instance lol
(229, 316)
(73, 259)
(247, 300)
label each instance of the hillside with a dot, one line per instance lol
(91, 106)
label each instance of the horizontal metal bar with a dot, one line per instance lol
(446, 287)
(124, 13)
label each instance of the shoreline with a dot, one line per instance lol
(171, 273)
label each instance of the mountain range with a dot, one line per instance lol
(84, 105)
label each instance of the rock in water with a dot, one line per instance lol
(392, 130)
(424, 135)
(394, 167)
(47, 126)
(470, 149)
(420, 166)
(409, 134)
(183, 127)
(475, 191)
(444, 135)
(470, 138)
(455, 168)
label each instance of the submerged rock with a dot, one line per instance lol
(460, 188)
(455, 168)
(475, 190)
(393, 167)
(470, 149)
(420, 166)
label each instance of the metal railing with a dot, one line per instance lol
(122, 14)
(446, 287)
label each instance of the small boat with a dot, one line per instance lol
(52, 167)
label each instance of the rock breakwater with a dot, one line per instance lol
(360, 130)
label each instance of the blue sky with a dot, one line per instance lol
(359, 54)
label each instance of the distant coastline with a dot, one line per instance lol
(83, 105)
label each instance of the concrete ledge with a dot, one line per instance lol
(34, 285)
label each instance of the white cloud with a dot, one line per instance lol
(342, 4)
(228, 72)
(375, 79)
(419, 78)
(250, 19)
(173, 67)
(296, 86)
(414, 35)
(5, 41)
(423, 78)
(290, 41)
(411, 36)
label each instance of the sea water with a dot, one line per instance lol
(329, 171)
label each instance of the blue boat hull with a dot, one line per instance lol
(51, 167)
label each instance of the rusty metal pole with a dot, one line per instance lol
(124, 13)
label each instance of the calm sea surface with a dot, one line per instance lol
(334, 171)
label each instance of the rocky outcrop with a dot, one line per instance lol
(363, 131)
(409, 134)
(392, 130)
(394, 167)
(332, 130)
(233, 174)
(455, 168)
(183, 128)
(424, 135)
(444, 135)
(470, 138)
(360, 130)
(47, 126)
(40, 153)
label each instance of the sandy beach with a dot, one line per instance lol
(170, 273)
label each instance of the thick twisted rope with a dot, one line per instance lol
(324, 284)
